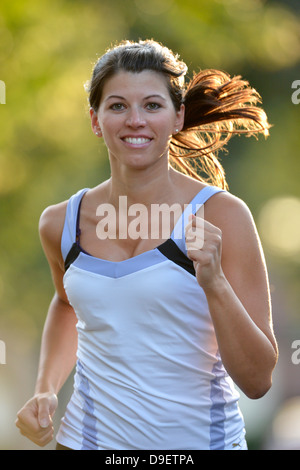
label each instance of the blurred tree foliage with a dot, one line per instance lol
(47, 151)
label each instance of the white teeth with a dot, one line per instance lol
(136, 140)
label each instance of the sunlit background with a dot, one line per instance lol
(48, 152)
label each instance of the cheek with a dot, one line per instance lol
(163, 126)
(109, 129)
(106, 124)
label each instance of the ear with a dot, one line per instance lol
(179, 121)
(95, 123)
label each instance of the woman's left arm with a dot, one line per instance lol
(230, 267)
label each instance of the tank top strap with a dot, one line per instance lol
(70, 225)
(178, 234)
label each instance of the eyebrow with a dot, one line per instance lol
(122, 97)
(114, 96)
(155, 96)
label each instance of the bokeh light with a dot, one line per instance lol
(279, 224)
(285, 426)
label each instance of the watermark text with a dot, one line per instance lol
(137, 460)
(296, 353)
(137, 221)
(2, 92)
(296, 93)
(2, 352)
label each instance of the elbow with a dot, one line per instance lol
(258, 384)
(258, 392)
(254, 391)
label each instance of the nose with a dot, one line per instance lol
(135, 118)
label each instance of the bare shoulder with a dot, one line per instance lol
(241, 245)
(229, 213)
(52, 221)
(51, 225)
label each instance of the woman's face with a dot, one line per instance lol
(137, 118)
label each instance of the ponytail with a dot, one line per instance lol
(216, 108)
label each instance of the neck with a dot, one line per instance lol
(146, 186)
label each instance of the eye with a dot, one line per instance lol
(153, 106)
(117, 107)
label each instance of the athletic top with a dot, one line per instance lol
(148, 372)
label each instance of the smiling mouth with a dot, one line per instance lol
(137, 140)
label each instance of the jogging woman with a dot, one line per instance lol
(160, 319)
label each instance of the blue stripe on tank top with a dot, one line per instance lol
(116, 269)
(217, 411)
(89, 432)
(69, 230)
(178, 234)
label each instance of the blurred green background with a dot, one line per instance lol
(48, 152)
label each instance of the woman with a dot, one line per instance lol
(161, 325)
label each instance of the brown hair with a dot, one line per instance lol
(216, 105)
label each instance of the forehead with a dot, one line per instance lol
(129, 84)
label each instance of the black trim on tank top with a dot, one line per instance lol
(75, 248)
(72, 255)
(171, 251)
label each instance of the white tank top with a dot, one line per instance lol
(148, 372)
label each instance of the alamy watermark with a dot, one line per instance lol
(2, 352)
(296, 354)
(137, 221)
(2, 92)
(296, 93)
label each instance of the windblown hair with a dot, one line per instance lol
(216, 105)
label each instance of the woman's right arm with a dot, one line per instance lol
(59, 339)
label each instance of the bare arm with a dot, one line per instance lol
(58, 347)
(59, 339)
(230, 268)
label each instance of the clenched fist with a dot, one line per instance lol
(34, 420)
(204, 248)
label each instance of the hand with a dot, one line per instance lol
(204, 248)
(34, 420)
